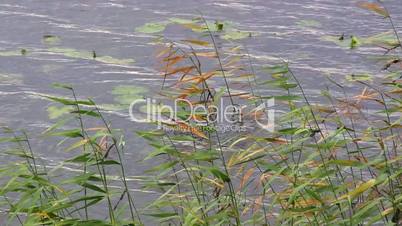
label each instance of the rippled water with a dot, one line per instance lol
(292, 30)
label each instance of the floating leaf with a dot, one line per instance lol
(51, 40)
(358, 77)
(89, 55)
(13, 53)
(218, 26)
(337, 40)
(128, 90)
(382, 39)
(126, 94)
(150, 28)
(69, 52)
(308, 23)
(236, 35)
(10, 79)
(351, 43)
(180, 20)
(112, 60)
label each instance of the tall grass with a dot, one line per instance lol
(329, 162)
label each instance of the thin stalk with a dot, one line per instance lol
(322, 135)
(129, 197)
(219, 60)
(190, 179)
(101, 169)
(81, 123)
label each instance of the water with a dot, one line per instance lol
(288, 29)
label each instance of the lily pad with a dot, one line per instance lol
(150, 28)
(213, 26)
(112, 107)
(13, 53)
(381, 39)
(345, 43)
(88, 55)
(111, 60)
(126, 94)
(51, 40)
(73, 53)
(216, 26)
(308, 23)
(359, 77)
(236, 35)
(10, 79)
(180, 20)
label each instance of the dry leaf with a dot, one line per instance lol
(374, 7)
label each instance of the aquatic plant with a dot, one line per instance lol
(332, 162)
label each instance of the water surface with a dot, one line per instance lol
(291, 30)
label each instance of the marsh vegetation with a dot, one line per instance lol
(332, 160)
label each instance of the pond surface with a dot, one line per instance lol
(293, 30)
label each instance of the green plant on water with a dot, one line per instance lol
(51, 40)
(308, 23)
(10, 53)
(90, 55)
(72, 53)
(331, 162)
(225, 29)
(6, 78)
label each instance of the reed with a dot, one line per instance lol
(329, 161)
